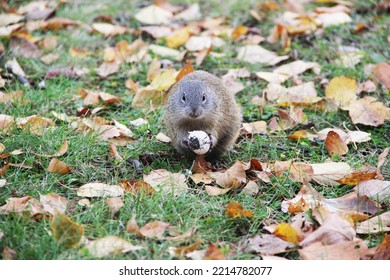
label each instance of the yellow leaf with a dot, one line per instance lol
(235, 210)
(178, 38)
(342, 90)
(287, 233)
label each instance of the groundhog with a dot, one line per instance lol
(200, 101)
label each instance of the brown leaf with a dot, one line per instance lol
(114, 204)
(65, 231)
(58, 166)
(132, 226)
(108, 29)
(53, 203)
(213, 253)
(182, 251)
(215, 191)
(335, 145)
(99, 190)
(110, 245)
(329, 173)
(61, 151)
(136, 186)
(114, 153)
(361, 174)
(348, 250)
(15, 205)
(200, 165)
(106, 69)
(258, 127)
(154, 229)
(235, 210)
(58, 23)
(163, 138)
(380, 223)
(251, 188)
(382, 252)
(334, 230)
(166, 181)
(381, 72)
(23, 47)
(368, 111)
(8, 254)
(266, 244)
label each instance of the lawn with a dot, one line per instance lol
(80, 48)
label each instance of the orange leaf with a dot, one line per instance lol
(58, 166)
(235, 210)
(136, 186)
(335, 145)
(182, 251)
(213, 253)
(239, 31)
(187, 69)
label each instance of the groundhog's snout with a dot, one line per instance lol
(194, 114)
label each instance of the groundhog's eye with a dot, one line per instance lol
(204, 98)
(183, 98)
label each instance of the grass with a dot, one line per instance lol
(90, 161)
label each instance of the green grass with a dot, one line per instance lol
(88, 156)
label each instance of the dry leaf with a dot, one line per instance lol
(334, 230)
(114, 153)
(349, 250)
(132, 226)
(198, 43)
(183, 251)
(154, 229)
(251, 188)
(213, 253)
(301, 134)
(368, 111)
(287, 233)
(374, 189)
(154, 15)
(381, 72)
(15, 205)
(110, 245)
(166, 52)
(335, 145)
(65, 231)
(58, 166)
(50, 58)
(53, 203)
(136, 186)
(329, 173)
(256, 54)
(267, 244)
(258, 127)
(361, 174)
(99, 190)
(328, 19)
(108, 29)
(178, 38)
(382, 252)
(234, 210)
(166, 181)
(189, 14)
(61, 151)
(106, 69)
(380, 223)
(215, 191)
(342, 91)
(114, 204)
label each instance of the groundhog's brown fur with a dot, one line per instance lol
(200, 101)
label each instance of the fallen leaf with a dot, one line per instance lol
(301, 134)
(110, 245)
(349, 250)
(334, 230)
(9, 18)
(3, 182)
(99, 190)
(189, 14)
(106, 69)
(256, 54)
(368, 111)
(163, 138)
(61, 151)
(380, 223)
(187, 69)
(342, 91)
(381, 72)
(65, 231)
(53, 203)
(213, 253)
(22, 47)
(329, 173)
(154, 229)
(166, 181)
(287, 233)
(382, 252)
(266, 244)
(239, 31)
(178, 38)
(234, 210)
(337, 18)
(251, 188)
(136, 186)
(361, 174)
(35, 124)
(154, 15)
(183, 251)
(108, 29)
(14, 67)
(15, 205)
(114, 204)
(215, 191)
(8, 254)
(335, 145)
(58, 166)
(49, 58)
(132, 226)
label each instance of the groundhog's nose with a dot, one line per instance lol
(194, 114)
